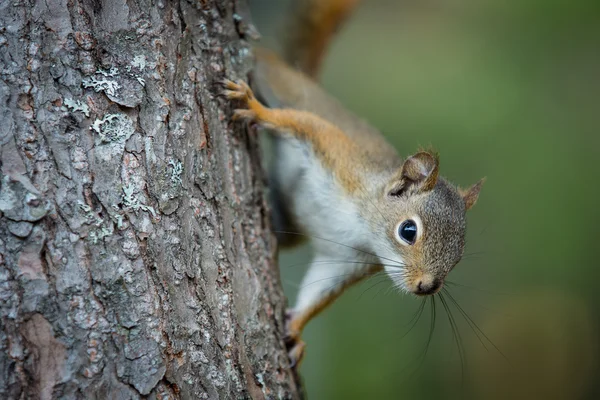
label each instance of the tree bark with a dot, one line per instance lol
(136, 253)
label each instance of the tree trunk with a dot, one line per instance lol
(136, 253)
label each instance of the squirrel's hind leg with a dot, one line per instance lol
(324, 282)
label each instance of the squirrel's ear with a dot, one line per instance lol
(419, 171)
(471, 194)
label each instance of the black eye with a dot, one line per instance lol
(408, 231)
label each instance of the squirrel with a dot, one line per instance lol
(339, 183)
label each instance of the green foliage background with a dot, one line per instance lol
(507, 90)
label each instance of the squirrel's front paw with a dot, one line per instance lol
(239, 90)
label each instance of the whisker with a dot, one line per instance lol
(419, 360)
(484, 230)
(390, 289)
(367, 274)
(418, 311)
(491, 310)
(380, 289)
(295, 285)
(340, 244)
(432, 326)
(469, 319)
(456, 336)
(475, 253)
(423, 355)
(342, 262)
(318, 280)
(470, 325)
(368, 197)
(371, 287)
(415, 318)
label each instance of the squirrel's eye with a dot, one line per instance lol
(408, 231)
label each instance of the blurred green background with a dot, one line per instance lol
(507, 90)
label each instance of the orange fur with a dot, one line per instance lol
(333, 148)
(311, 29)
(298, 321)
(281, 86)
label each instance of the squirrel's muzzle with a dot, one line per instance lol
(426, 285)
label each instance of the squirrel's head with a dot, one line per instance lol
(426, 224)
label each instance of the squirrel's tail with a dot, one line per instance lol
(312, 25)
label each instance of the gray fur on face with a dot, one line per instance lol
(444, 218)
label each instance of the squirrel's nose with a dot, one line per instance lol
(427, 285)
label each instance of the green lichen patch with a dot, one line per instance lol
(123, 87)
(131, 202)
(108, 86)
(92, 218)
(176, 171)
(77, 105)
(139, 62)
(113, 127)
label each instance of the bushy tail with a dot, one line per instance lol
(313, 23)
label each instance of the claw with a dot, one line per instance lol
(293, 343)
(233, 94)
(296, 354)
(244, 87)
(238, 90)
(228, 83)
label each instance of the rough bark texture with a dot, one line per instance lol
(136, 254)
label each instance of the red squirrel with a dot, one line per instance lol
(335, 179)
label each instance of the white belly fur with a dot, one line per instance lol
(319, 205)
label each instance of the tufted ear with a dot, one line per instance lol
(471, 194)
(419, 172)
